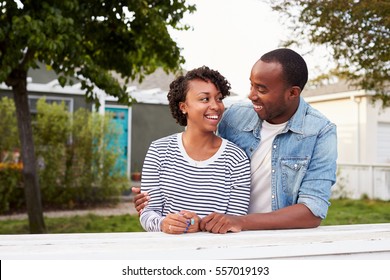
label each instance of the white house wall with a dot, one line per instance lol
(383, 151)
(363, 144)
(383, 140)
(363, 128)
(368, 131)
(377, 133)
(342, 112)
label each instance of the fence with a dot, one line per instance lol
(362, 180)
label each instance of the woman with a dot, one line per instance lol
(192, 174)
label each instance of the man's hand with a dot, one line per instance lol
(140, 199)
(220, 223)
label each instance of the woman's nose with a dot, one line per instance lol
(213, 104)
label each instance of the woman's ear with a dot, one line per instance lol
(182, 107)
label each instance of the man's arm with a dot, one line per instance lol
(140, 200)
(295, 216)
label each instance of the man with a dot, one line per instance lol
(292, 147)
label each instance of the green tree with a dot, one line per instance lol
(358, 33)
(82, 38)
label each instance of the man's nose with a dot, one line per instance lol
(252, 94)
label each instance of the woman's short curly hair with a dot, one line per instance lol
(179, 87)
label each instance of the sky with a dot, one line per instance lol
(230, 36)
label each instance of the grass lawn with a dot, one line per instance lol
(346, 211)
(341, 212)
(77, 224)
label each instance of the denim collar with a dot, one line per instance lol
(295, 123)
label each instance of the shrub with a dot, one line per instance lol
(11, 188)
(51, 130)
(9, 139)
(91, 164)
(76, 165)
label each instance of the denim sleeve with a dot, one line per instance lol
(316, 186)
(223, 124)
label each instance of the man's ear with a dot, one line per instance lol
(295, 91)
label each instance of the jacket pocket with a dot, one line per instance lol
(293, 171)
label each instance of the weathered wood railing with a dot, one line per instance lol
(368, 241)
(358, 180)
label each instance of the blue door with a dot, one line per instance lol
(120, 116)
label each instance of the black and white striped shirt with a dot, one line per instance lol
(176, 182)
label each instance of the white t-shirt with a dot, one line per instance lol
(260, 201)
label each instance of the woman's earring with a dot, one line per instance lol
(184, 112)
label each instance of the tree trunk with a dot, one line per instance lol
(18, 81)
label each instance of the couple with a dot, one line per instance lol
(197, 181)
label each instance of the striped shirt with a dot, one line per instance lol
(176, 182)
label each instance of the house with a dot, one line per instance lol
(146, 120)
(363, 127)
(363, 130)
(137, 122)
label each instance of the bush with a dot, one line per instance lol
(76, 166)
(9, 139)
(11, 188)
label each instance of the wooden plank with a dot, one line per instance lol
(369, 241)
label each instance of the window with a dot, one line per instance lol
(33, 99)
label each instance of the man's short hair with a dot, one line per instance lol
(294, 66)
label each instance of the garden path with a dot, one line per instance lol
(124, 207)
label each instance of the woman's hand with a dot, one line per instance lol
(193, 221)
(182, 222)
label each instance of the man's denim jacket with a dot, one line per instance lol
(304, 154)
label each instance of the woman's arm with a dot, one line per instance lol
(240, 192)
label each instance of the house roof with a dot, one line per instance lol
(42, 75)
(332, 88)
(153, 89)
(158, 79)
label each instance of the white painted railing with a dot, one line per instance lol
(369, 241)
(357, 180)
